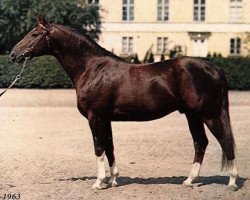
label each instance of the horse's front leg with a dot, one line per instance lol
(103, 142)
(109, 150)
(97, 126)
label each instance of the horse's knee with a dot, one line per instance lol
(99, 151)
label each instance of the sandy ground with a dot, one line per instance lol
(46, 152)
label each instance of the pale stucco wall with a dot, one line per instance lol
(218, 43)
(217, 11)
(145, 28)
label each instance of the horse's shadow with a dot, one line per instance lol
(176, 180)
(222, 180)
(84, 178)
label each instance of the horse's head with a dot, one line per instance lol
(35, 43)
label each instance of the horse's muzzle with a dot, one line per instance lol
(13, 56)
(19, 58)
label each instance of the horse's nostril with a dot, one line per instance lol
(12, 55)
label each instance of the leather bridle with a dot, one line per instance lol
(28, 52)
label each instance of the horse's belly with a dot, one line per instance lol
(131, 113)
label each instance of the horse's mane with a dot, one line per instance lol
(82, 36)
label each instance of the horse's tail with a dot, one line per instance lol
(228, 147)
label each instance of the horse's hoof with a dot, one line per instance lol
(112, 184)
(189, 182)
(233, 187)
(96, 187)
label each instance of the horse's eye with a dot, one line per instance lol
(35, 34)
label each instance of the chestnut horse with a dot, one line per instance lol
(110, 89)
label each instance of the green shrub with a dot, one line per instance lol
(42, 72)
(237, 71)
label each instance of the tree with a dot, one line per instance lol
(148, 55)
(172, 54)
(19, 16)
(136, 59)
(151, 58)
(162, 57)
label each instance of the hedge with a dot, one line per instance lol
(237, 71)
(46, 72)
(42, 72)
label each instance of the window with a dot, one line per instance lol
(235, 46)
(163, 10)
(127, 44)
(235, 11)
(162, 45)
(199, 10)
(128, 10)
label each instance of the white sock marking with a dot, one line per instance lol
(233, 175)
(194, 174)
(101, 172)
(113, 174)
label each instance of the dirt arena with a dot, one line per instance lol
(46, 152)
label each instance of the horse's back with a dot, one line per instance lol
(185, 84)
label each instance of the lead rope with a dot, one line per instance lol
(17, 77)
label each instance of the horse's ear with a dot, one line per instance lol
(41, 20)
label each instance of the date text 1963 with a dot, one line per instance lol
(11, 196)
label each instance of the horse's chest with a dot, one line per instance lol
(91, 101)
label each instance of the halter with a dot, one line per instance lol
(27, 55)
(32, 48)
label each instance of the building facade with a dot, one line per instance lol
(186, 27)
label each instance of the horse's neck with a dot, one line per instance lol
(73, 54)
(70, 65)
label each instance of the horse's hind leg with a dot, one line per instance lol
(221, 129)
(197, 130)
